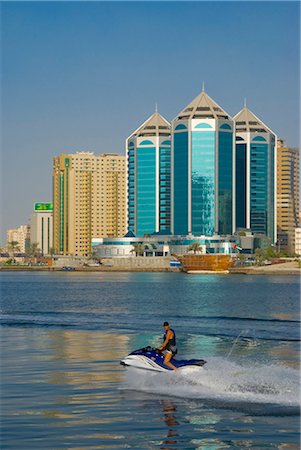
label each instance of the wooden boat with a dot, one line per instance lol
(214, 263)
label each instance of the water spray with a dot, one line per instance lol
(235, 342)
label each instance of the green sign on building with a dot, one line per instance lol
(43, 206)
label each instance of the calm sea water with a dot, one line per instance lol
(63, 335)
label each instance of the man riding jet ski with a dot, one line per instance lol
(153, 359)
(169, 344)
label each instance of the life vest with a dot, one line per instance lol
(172, 341)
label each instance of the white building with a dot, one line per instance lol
(298, 241)
(20, 235)
(42, 227)
(161, 245)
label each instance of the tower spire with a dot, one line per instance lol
(203, 86)
(156, 107)
(245, 102)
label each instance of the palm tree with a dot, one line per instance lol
(195, 247)
(34, 249)
(259, 256)
(13, 247)
(138, 249)
(241, 257)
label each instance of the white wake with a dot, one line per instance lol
(224, 381)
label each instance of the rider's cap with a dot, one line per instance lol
(165, 324)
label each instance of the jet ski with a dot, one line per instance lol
(149, 358)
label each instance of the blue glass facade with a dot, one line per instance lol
(211, 191)
(180, 183)
(259, 194)
(241, 184)
(261, 189)
(146, 191)
(225, 180)
(149, 191)
(255, 175)
(203, 182)
(148, 182)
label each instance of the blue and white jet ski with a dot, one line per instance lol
(149, 358)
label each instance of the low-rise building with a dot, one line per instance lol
(161, 245)
(20, 235)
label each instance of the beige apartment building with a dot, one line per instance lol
(21, 235)
(288, 167)
(89, 200)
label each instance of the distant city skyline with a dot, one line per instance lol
(81, 76)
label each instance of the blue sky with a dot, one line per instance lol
(83, 76)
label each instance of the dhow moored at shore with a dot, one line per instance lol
(194, 263)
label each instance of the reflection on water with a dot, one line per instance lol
(87, 353)
(169, 410)
(83, 346)
(69, 382)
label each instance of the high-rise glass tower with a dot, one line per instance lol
(148, 177)
(255, 175)
(203, 176)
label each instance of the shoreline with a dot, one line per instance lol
(85, 269)
(296, 272)
(277, 269)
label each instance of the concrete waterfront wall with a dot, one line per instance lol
(140, 262)
(70, 261)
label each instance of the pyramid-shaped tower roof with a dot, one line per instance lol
(203, 106)
(155, 125)
(246, 121)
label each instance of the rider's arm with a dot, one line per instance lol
(169, 335)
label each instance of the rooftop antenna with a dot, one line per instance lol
(203, 86)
